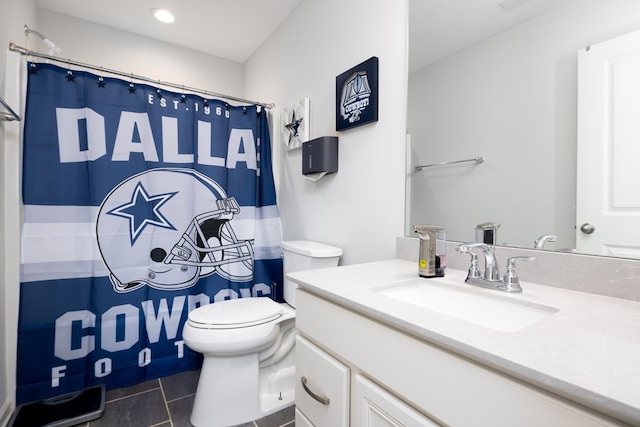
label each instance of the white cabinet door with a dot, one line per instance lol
(322, 386)
(375, 407)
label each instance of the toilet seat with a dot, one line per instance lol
(236, 313)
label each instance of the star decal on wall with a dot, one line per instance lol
(295, 124)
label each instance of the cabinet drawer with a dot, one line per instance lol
(322, 386)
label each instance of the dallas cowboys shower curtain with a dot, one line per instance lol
(139, 205)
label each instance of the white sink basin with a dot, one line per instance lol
(483, 307)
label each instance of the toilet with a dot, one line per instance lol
(248, 346)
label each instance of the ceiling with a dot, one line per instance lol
(438, 28)
(235, 29)
(230, 29)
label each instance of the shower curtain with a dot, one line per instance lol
(140, 205)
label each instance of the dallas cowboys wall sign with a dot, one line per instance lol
(357, 95)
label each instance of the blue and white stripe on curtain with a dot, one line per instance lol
(140, 205)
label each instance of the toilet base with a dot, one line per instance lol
(234, 390)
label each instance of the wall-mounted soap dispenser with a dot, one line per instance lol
(433, 250)
(320, 155)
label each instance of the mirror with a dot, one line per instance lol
(506, 92)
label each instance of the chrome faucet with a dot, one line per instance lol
(491, 277)
(540, 241)
(491, 271)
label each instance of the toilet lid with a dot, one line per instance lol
(236, 313)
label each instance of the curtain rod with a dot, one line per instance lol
(25, 52)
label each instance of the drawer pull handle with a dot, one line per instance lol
(323, 400)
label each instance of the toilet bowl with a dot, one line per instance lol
(249, 347)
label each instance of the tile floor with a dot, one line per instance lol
(166, 402)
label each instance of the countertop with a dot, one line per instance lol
(588, 351)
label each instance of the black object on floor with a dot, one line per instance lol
(62, 411)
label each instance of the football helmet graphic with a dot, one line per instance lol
(166, 228)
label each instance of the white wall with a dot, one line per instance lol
(119, 50)
(361, 208)
(13, 16)
(513, 100)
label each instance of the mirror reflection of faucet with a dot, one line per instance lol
(542, 240)
(491, 279)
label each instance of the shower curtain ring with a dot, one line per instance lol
(101, 82)
(70, 76)
(132, 87)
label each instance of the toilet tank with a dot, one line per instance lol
(300, 255)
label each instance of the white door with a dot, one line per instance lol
(608, 181)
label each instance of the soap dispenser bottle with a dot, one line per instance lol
(433, 248)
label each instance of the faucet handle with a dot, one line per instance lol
(510, 279)
(465, 248)
(511, 262)
(474, 271)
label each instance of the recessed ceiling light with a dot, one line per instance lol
(163, 15)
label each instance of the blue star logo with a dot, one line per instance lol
(143, 210)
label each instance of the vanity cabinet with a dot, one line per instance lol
(391, 378)
(323, 395)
